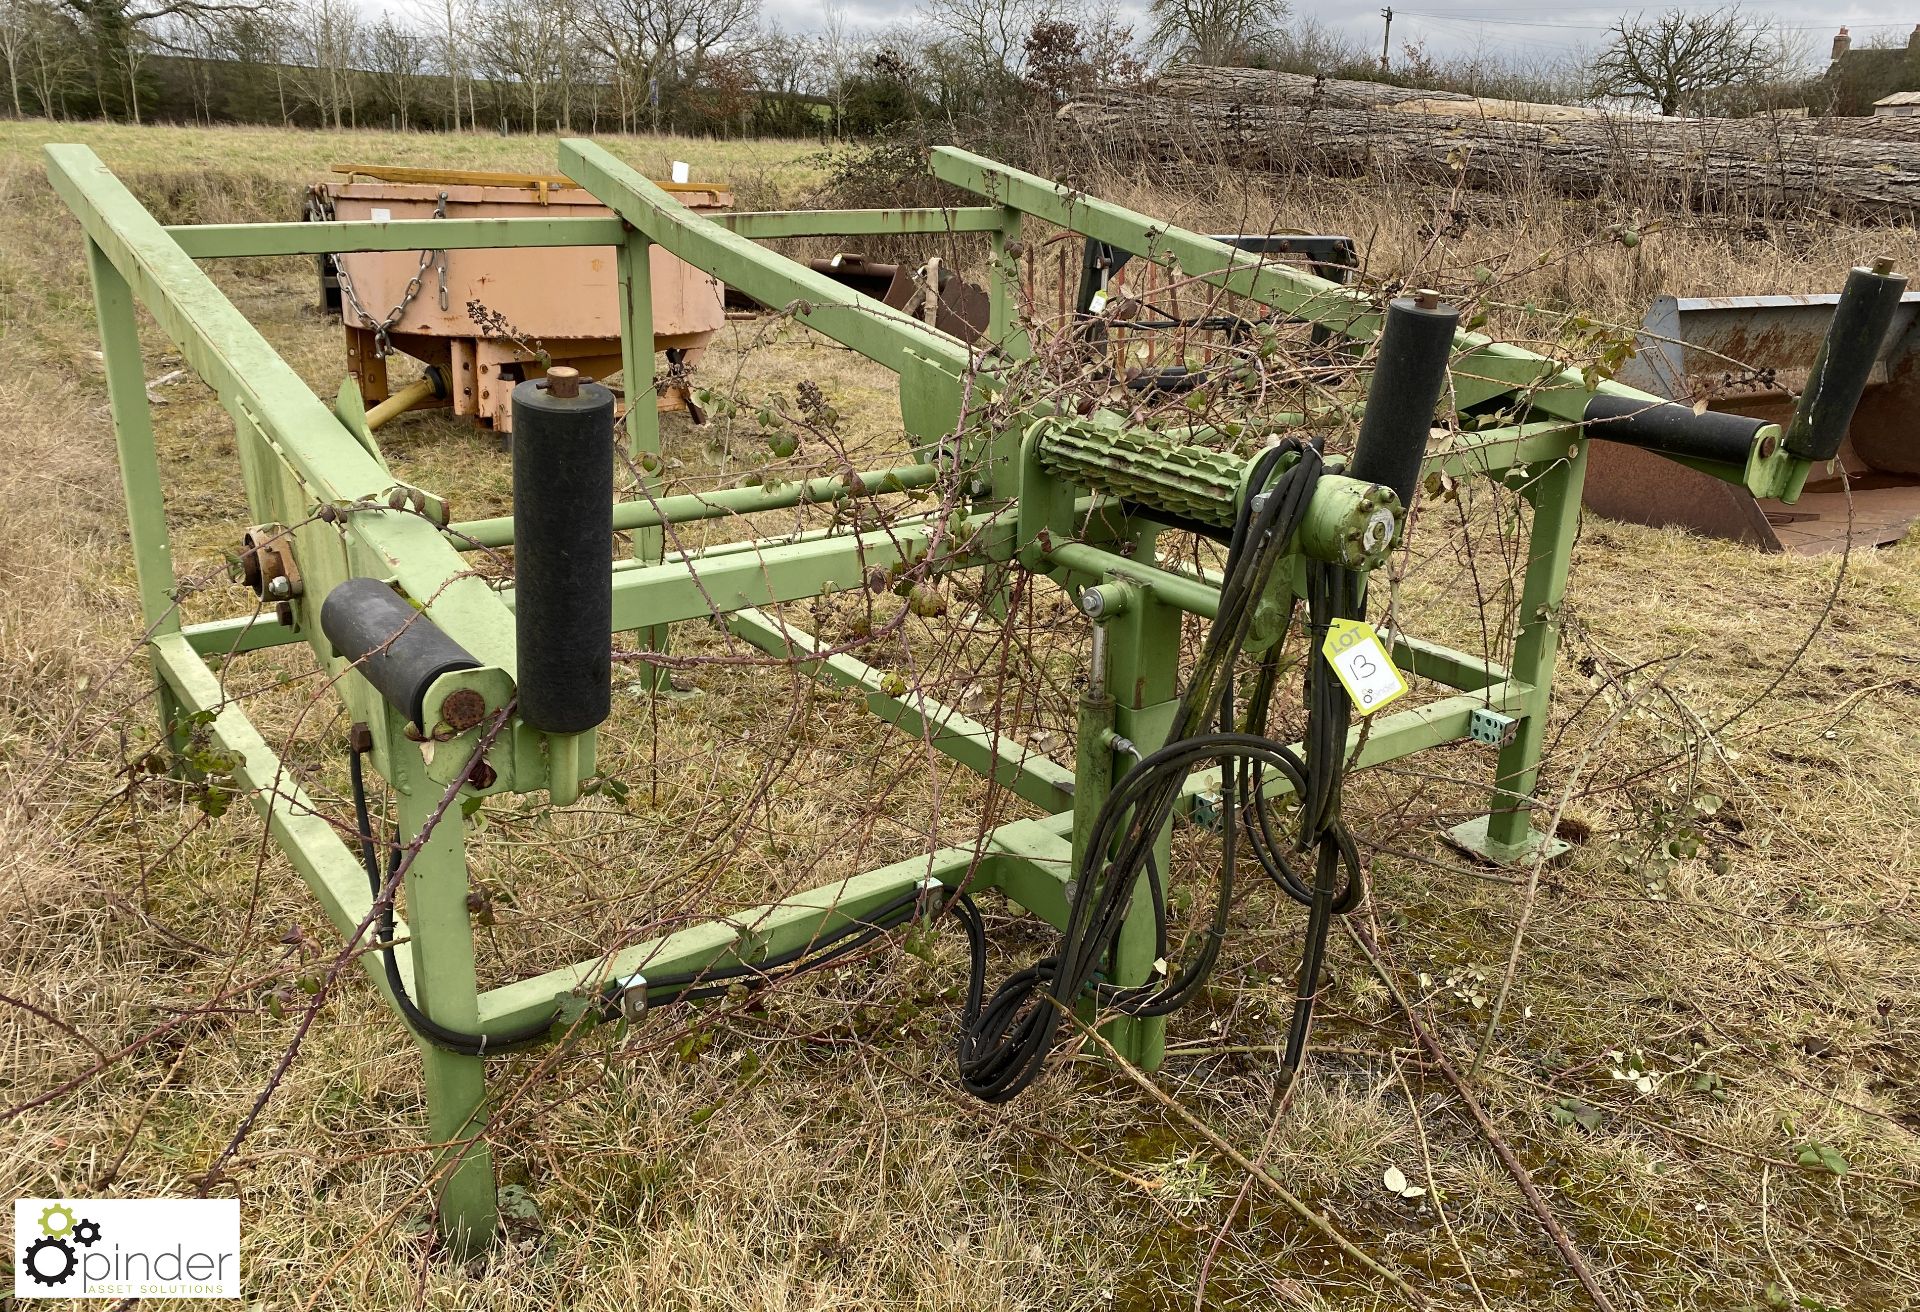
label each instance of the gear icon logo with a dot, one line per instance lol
(56, 1222)
(50, 1261)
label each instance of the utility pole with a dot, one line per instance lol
(1386, 36)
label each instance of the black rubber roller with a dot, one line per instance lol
(399, 650)
(1409, 374)
(563, 551)
(1672, 430)
(1846, 357)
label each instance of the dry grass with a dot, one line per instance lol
(814, 1155)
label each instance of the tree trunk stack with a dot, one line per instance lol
(1288, 123)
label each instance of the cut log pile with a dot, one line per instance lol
(1256, 119)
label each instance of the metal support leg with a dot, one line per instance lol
(643, 416)
(1003, 289)
(444, 988)
(1144, 681)
(1004, 334)
(1506, 835)
(139, 469)
(367, 365)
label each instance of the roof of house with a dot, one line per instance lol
(1899, 98)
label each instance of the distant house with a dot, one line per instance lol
(1861, 81)
(1901, 104)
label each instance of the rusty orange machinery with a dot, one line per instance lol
(486, 320)
(1752, 355)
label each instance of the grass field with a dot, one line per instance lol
(1736, 922)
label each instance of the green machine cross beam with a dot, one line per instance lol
(1078, 499)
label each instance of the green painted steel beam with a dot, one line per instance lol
(1029, 773)
(670, 591)
(678, 590)
(762, 931)
(861, 322)
(1195, 596)
(1444, 665)
(219, 241)
(1394, 735)
(760, 544)
(1490, 452)
(774, 225)
(298, 823)
(1033, 865)
(249, 376)
(1482, 370)
(239, 633)
(720, 504)
(1391, 737)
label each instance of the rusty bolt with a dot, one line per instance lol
(463, 709)
(283, 612)
(563, 382)
(360, 738)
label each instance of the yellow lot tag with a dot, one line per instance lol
(1361, 662)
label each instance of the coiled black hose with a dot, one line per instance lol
(1005, 1043)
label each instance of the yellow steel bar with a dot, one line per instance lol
(487, 178)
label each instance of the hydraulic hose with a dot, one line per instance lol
(679, 986)
(1005, 1042)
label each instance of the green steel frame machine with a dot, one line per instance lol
(458, 686)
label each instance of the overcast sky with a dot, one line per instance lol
(1455, 27)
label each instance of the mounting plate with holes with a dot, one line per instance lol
(1492, 728)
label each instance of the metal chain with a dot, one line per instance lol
(381, 327)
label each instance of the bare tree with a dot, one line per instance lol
(261, 37)
(452, 17)
(123, 32)
(58, 66)
(657, 48)
(1222, 32)
(326, 47)
(200, 41)
(16, 47)
(837, 50)
(1676, 59)
(787, 73)
(396, 54)
(525, 50)
(984, 42)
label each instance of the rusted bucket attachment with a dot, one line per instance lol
(960, 310)
(1750, 355)
(484, 317)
